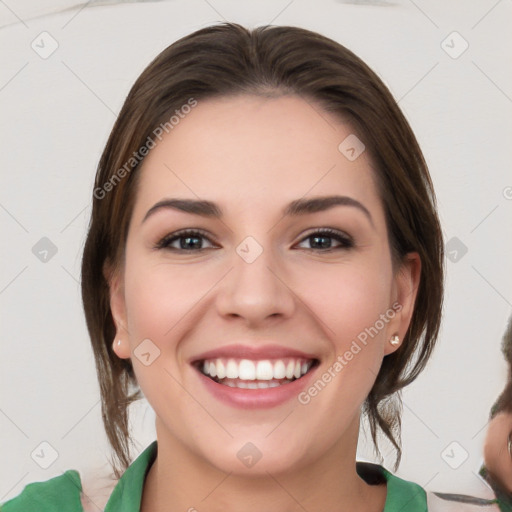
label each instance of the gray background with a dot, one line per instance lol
(57, 111)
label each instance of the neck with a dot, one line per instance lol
(180, 481)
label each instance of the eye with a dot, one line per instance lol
(322, 240)
(191, 240)
(188, 240)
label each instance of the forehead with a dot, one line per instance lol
(247, 150)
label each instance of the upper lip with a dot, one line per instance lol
(252, 352)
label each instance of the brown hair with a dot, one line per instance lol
(504, 401)
(228, 59)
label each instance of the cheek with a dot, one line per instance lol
(348, 298)
(158, 296)
(158, 299)
(349, 301)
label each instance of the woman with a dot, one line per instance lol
(265, 261)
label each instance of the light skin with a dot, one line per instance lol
(252, 156)
(497, 457)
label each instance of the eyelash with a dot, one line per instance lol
(345, 240)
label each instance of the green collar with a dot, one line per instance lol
(401, 494)
(127, 494)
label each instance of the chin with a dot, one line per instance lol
(257, 457)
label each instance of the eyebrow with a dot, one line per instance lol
(295, 208)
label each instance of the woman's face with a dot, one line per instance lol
(261, 292)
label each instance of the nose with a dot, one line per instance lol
(256, 291)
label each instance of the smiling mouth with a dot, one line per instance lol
(255, 374)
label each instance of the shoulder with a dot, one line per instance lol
(401, 494)
(98, 489)
(406, 495)
(68, 492)
(59, 493)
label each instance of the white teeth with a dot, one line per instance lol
(231, 370)
(279, 370)
(290, 369)
(264, 370)
(296, 373)
(244, 384)
(248, 370)
(221, 369)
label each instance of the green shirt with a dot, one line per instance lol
(62, 493)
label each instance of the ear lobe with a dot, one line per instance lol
(114, 278)
(407, 280)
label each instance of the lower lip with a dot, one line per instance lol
(256, 398)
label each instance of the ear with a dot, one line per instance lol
(405, 290)
(115, 280)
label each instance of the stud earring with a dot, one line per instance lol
(395, 340)
(116, 344)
